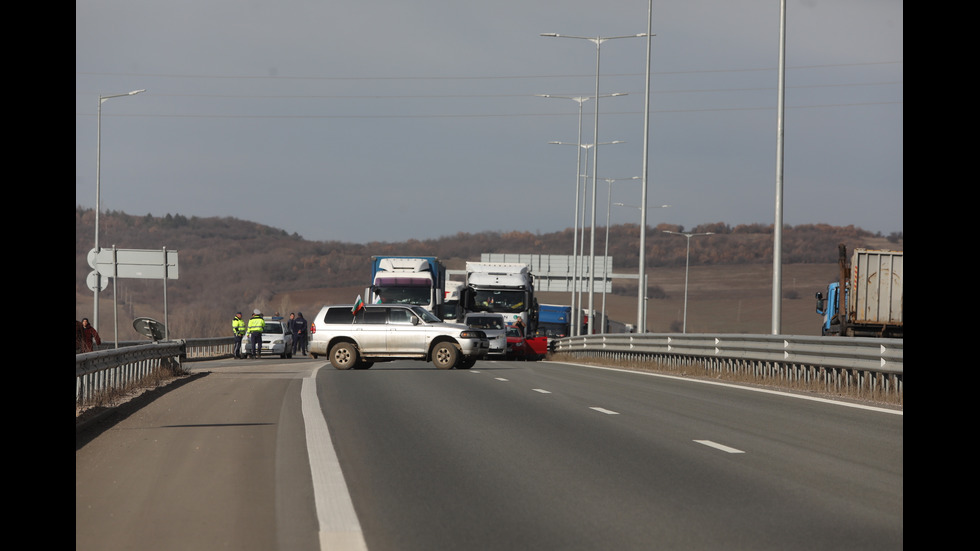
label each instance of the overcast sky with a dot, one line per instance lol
(387, 120)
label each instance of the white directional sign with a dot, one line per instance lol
(134, 263)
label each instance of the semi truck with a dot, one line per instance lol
(554, 321)
(871, 303)
(451, 310)
(417, 280)
(597, 324)
(503, 287)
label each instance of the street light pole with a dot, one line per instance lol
(641, 306)
(577, 312)
(777, 245)
(598, 40)
(98, 197)
(641, 281)
(605, 256)
(687, 266)
(578, 180)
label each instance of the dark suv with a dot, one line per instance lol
(385, 332)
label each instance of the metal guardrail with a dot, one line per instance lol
(110, 368)
(866, 363)
(837, 361)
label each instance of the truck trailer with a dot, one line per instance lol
(871, 304)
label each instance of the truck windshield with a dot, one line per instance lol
(485, 322)
(499, 301)
(553, 330)
(402, 295)
(450, 310)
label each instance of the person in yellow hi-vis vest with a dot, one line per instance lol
(238, 328)
(256, 326)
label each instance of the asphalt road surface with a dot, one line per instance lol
(289, 454)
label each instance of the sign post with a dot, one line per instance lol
(131, 263)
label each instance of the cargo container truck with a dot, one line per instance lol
(503, 287)
(597, 325)
(451, 310)
(871, 304)
(417, 280)
(554, 320)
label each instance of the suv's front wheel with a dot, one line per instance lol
(445, 355)
(343, 355)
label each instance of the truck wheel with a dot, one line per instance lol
(343, 355)
(445, 355)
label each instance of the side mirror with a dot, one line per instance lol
(415, 320)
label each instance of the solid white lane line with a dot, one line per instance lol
(718, 446)
(606, 411)
(339, 527)
(740, 387)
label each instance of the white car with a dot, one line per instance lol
(275, 339)
(495, 328)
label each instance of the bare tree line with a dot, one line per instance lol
(226, 261)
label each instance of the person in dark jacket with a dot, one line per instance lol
(299, 326)
(89, 334)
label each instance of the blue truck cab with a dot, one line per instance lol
(828, 309)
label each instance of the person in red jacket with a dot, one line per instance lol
(88, 335)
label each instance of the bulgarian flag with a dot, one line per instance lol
(358, 305)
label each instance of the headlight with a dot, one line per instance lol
(277, 341)
(472, 335)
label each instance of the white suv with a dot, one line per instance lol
(385, 332)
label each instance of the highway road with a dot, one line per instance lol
(295, 455)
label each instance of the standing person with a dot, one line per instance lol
(88, 335)
(238, 328)
(519, 324)
(256, 326)
(299, 334)
(291, 345)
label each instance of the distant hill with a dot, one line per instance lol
(227, 264)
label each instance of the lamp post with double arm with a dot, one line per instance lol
(597, 40)
(98, 197)
(578, 181)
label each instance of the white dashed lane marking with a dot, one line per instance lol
(718, 446)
